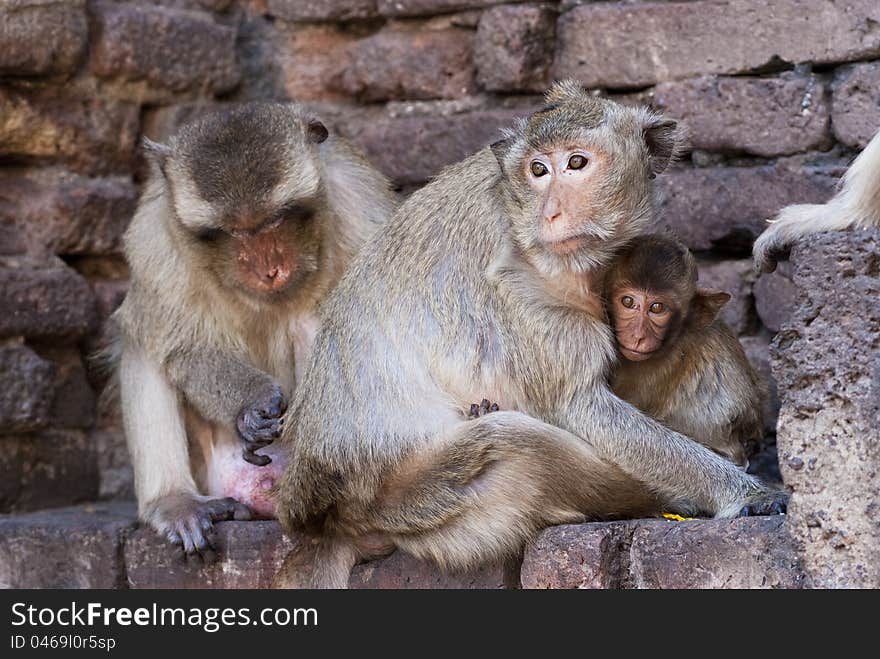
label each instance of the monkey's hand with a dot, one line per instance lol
(260, 423)
(773, 502)
(188, 521)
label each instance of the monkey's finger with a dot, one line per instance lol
(494, 407)
(778, 508)
(484, 407)
(174, 538)
(474, 411)
(747, 511)
(241, 513)
(255, 459)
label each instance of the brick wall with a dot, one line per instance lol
(778, 97)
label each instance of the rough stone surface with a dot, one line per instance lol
(827, 364)
(311, 61)
(57, 212)
(43, 299)
(48, 468)
(776, 297)
(855, 114)
(425, 7)
(410, 150)
(401, 571)
(726, 207)
(91, 134)
(637, 44)
(759, 116)
(27, 387)
(42, 37)
(736, 278)
(742, 553)
(514, 47)
(757, 349)
(322, 10)
(405, 64)
(167, 48)
(76, 547)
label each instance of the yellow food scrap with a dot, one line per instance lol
(677, 518)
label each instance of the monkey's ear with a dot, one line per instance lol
(706, 305)
(317, 131)
(157, 153)
(662, 136)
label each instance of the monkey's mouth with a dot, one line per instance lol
(635, 355)
(567, 245)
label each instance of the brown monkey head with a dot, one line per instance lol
(580, 173)
(246, 189)
(653, 297)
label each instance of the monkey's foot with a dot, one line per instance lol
(776, 503)
(484, 408)
(188, 522)
(260, 423)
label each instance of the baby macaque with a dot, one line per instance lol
(679, 363)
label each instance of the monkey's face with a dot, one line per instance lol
(644, 321)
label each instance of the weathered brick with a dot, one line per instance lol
(736, 278)
(855, 113)
(748, 552)
(429, 7)
(576, 556)
(168, 48)
(76, 126)
(776, 297)
(47, 468)
(73, 403)
(322, 10)
(42, 37)
(514, 47)
(638, 44)
(27, 388)
(58, 212)
(43, 299)
(77, 547)
(757, 349)
(114, 464)
(410, 150)
(312, 60)
(410, 64)
(401, 571)
(827, 364)
(726, 207)
(758, 116)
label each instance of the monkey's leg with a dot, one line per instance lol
(485, 489)
(168, 499)
(324, 562)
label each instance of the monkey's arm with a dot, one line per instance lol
(226, 390)
(690, 476)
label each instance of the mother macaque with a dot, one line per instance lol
(478, 287)
(248, 219)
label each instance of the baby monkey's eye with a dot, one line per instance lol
(538, 168)
(628, 301)
(657, 307)
(577, 162)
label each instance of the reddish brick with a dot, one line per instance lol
(736, 278)
(27, 387)
(727, 206)
(514, 47)
(44, 299)
(168, 48)
(47, 468)
(312, 60)
(759, 116)
(855, 114)
(429, 7)
(401, 571)
(42, 37)
(58, 212)
(625, 44)
(74, 125)
(410, 64)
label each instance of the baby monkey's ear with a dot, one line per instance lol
(663, 137)
(706, 305)
(156, 153)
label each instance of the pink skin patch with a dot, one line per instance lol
(232, 477)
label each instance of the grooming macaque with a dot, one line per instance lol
(248, 219)
(477, 287)
(857, 204)
(679, 363)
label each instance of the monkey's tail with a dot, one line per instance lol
(857, 204)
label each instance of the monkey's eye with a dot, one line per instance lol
(628, 301)
(538, 168)
(657, 307)
(209, 235)
(577, 162)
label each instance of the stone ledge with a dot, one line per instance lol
(102, 546)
